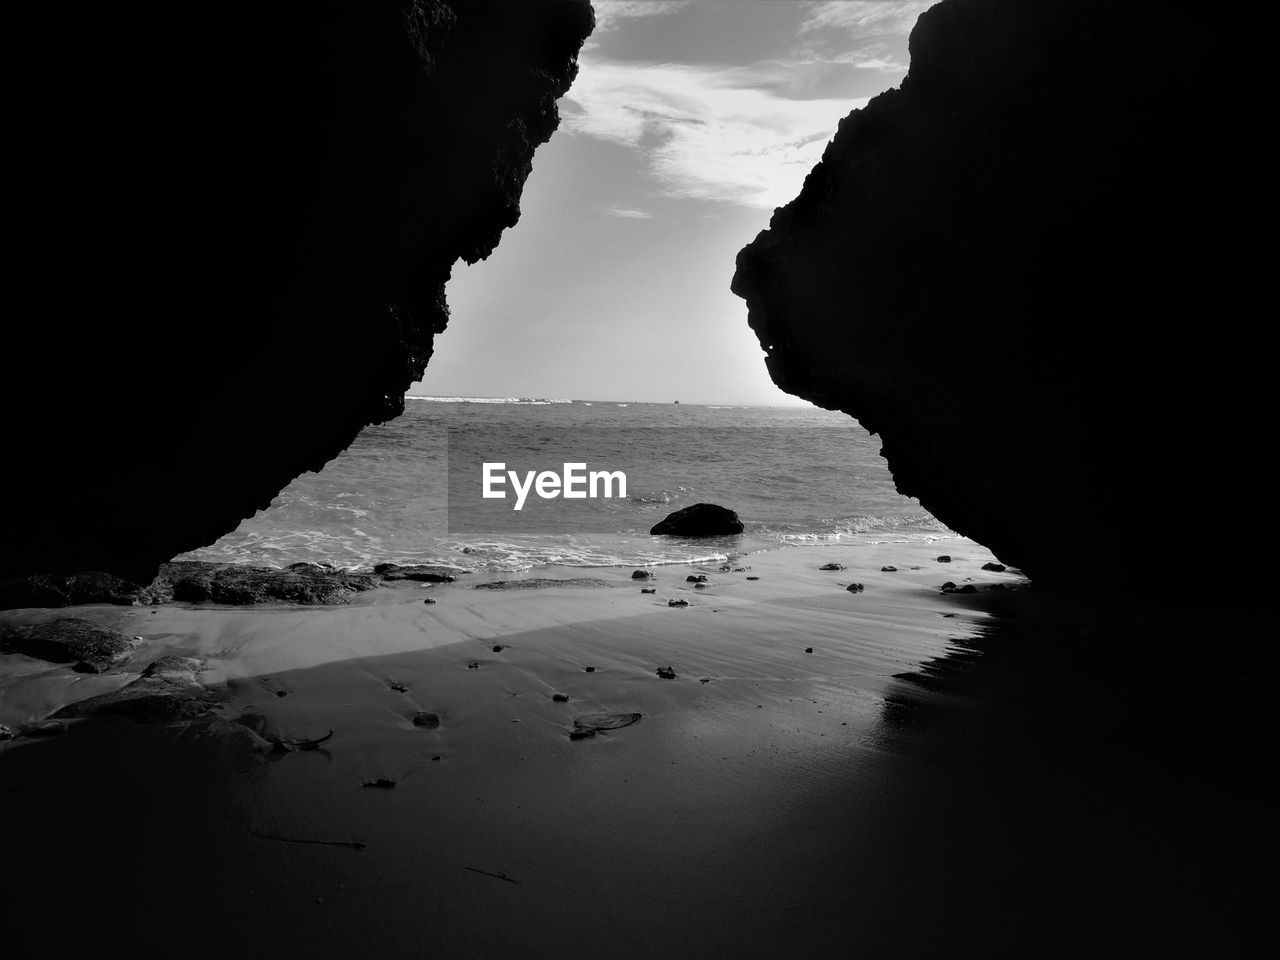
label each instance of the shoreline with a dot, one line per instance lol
(794, 803)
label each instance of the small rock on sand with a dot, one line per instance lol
(948, 587)
(808, 649)
(498, 648)
(649, 590)
(832, 566)
(854, 588)
(589, 724)
(753, 578)
(696, 578)
(590, 669)
(382, 783)
(666, 673)
(701, 586)
(560, 697)
(888, 569)
(642, 575)
(426, 719)
(677, 603)
(944, 559)
(473, 665)
(397, 686)
(994, 567)
(429, 600)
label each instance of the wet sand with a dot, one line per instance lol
(983, 774)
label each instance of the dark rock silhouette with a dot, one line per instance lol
(236, 224)
(1025, 269)
(65, 591)
(699, 520)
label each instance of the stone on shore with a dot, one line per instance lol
(421, 572)
(90, 647)
(192, 581)
(699, 520)
(72, 590)
(167, 691)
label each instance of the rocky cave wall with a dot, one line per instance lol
(234, 227)
(1029, 270)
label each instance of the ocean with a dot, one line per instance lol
(794, 475)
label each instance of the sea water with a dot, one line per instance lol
(795, 475)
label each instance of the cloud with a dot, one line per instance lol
(862, 18)
(707, 132)
(610, 13)
(626, 213)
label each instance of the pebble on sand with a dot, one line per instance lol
(589, 724)
(808, 649)
(642, 575)
(753, 578)
(426, 719)
(832, 566)
(854, 588)
(994, 567)
(888, 569)
(649, 590)
(429, 600)
(944, 559)
(560, 697)
(666, 673)
(382, 783)
(498, 648)
(677, 603)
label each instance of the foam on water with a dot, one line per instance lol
(816, 479)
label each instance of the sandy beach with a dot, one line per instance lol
(880, 795)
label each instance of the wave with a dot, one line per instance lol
(525, 401)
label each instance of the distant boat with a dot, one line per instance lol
(677, 403)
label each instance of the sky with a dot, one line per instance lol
(689, 122)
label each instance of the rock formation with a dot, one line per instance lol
(1027, 270)
(699, 520)
(234, 225)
